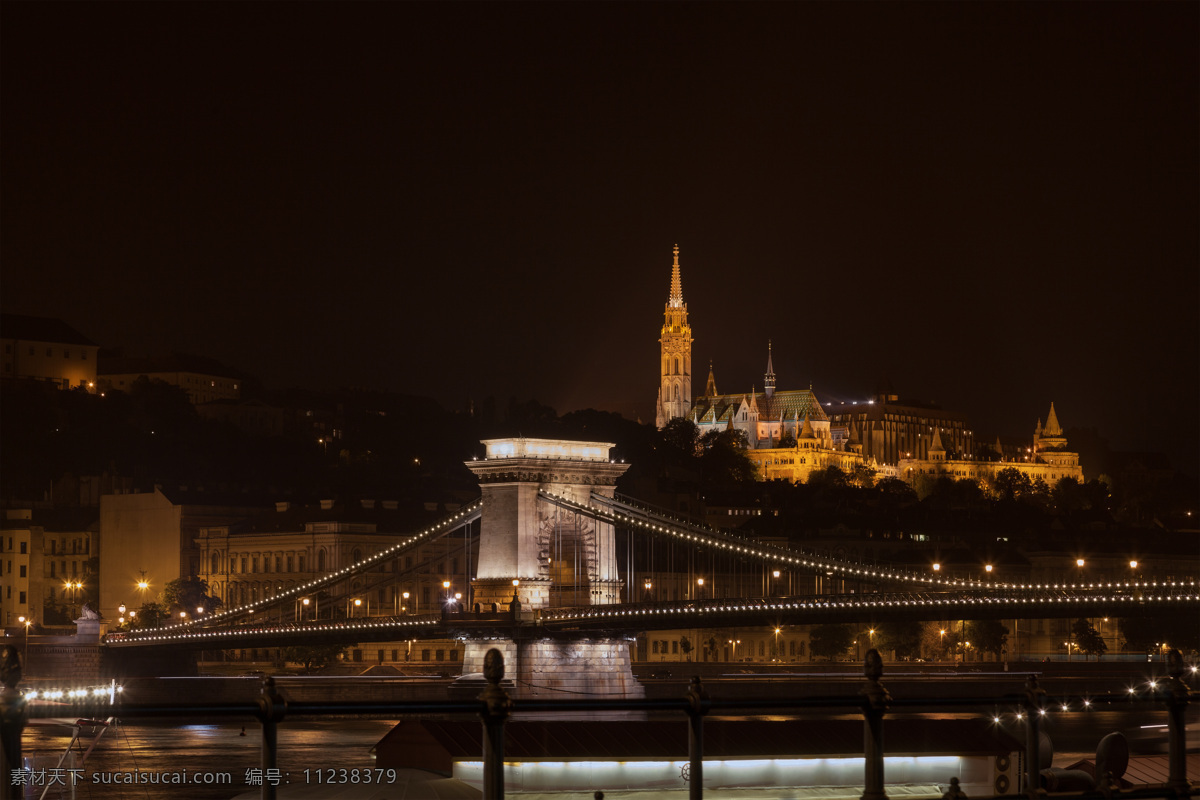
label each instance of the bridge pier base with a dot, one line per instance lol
(561, 669)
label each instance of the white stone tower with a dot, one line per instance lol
(675, 384)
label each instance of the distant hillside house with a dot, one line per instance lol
(47, 350)
(204, 379)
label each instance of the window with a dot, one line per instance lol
(320, 561)
(22, 574)
(289, 563)
(279, 563)
(380, 658)
(21, 600)
(52, 571)
(243, 564)
(300, 562)
(454, 655)
(674, 648)
(395, 655)
(408, 562)
(24, 547)
(216, 563)
(441, 655)
(424, 655)
(358, 655)
(654, 647)
(425, 595)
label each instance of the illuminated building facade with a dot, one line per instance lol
(1047, 459)
(788, 432)
(48, 350)
(890, 429)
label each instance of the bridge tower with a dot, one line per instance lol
(519, 540)
(519, 536)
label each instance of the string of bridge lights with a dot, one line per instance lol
(747, 547)
(646, 614)
(163, 635)
(461, 518)
(726, 607)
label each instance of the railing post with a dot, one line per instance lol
(697, 707)
(13, 716)
(1177, 701)
(875, 703)
(1033, 709)
(272, 706)
(496, 706)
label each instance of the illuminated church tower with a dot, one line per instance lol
(675, 384)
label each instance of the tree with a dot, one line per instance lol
(685, 646)
(724, 461)
(902, 636)
(1088, 639)
(681, 438)
(150, 615)
(787, 440)
(1152, 631)
(863, 476)
(988, 635)
(830, 641)
(189, 594)
(1010, 483)
(312, 658)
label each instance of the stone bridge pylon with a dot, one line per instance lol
(548, 556)
(548, 550)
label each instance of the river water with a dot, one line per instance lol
(202, 753)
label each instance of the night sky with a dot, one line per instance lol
(992, 205)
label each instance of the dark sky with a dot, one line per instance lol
(993, 205)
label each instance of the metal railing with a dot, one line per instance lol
(495, 706)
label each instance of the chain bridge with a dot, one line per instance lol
(555, 581)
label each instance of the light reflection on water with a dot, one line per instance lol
(346, 743)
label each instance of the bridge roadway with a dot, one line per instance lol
(631, 618)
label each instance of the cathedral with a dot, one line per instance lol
(790, 435)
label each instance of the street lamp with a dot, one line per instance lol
(303, 603)
(942, 642)
(357, 603)
(446, 591)
(25, 655)
(405, 606)
(988, 568)
(700, 588)
(778, 655)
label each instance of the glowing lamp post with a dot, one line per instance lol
(404, 607)
(699, 588)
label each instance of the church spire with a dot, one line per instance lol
(1052, 428)
(711, 389)
(769, 378)
(675, 350)
(676, 299)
